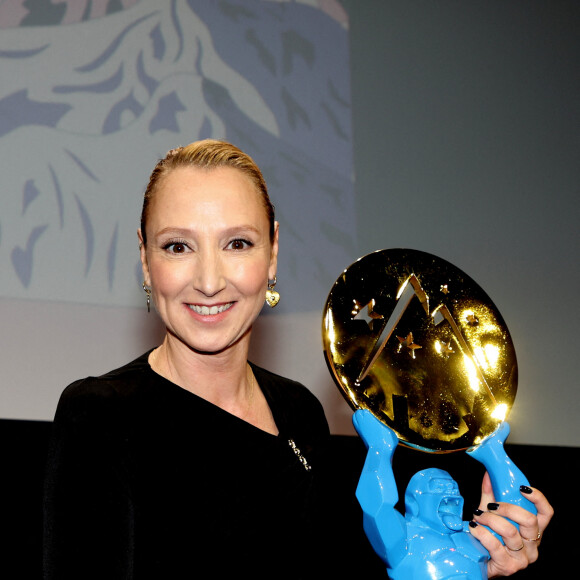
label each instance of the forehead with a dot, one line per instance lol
(205, 190)
(443, 485)
(194, 178)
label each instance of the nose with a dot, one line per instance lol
(209, 276)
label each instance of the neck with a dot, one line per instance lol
(223, 379)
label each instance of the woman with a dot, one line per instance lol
(190, 460)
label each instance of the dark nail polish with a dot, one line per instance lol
(473, 524)
(525, 489)
(477, 512)
(492, 506)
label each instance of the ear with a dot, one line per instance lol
(143, 255)
(274, 253)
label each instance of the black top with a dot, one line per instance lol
(147, 480)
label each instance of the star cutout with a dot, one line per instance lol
(366, 313)
(444, 289)
(408, 342)
(472, 320)
(446, 349)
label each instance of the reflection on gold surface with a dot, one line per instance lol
(413, 339)
(500, 412)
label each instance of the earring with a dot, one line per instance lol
(147, 290)
(272, 297)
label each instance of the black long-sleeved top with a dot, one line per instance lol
(147, 480)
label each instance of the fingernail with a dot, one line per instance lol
(473, 524)
(492, 506)
(477, 512)
(525, 489)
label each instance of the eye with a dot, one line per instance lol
(176, 247)
(239, 244)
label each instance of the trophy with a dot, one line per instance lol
(425, 359)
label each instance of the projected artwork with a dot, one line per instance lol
(94, 92)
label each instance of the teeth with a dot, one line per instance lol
(447, 505)
(209, 310)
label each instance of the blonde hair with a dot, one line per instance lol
(207, 154)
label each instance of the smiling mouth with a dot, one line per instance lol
(210, 310)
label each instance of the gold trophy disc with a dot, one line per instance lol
(418, 343)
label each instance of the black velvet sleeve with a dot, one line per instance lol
(87, 504)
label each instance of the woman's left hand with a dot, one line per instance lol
(520, 547)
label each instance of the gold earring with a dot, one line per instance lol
(147, 290)
(272, 297)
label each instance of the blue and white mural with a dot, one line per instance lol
(92, 93)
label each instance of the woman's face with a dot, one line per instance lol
(208, 256)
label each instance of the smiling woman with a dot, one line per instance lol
(191, 458)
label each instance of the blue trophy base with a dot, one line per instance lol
(431, 540)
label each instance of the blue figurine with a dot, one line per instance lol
(431, 541)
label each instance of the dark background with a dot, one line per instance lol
(551, 469)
